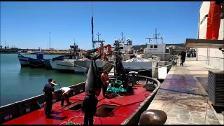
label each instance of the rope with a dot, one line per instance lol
(69, 120)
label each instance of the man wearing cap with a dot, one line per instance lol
(65, 95)
(48, 95)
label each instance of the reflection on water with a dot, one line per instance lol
(19, 83)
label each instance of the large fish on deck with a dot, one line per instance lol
(93, 81)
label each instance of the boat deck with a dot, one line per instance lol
(120, 108)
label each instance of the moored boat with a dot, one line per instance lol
(63, 64)
(32, 62)
(47, 63)
(66, 62)
(24, 61)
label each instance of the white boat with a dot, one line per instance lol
(138, 64)
(74, 65)
(66, 62)
(82, 65)
(63, 65)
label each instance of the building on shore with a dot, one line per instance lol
(210, 43)
(210, 56)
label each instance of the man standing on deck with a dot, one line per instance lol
(48, 96)
(89, 107)
(65, 95)
(105, 79)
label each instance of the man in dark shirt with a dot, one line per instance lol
(89, 107)
(182, 57)
(48, 96)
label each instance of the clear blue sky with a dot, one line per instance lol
(27, 24)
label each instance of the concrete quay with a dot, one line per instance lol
(184, 98)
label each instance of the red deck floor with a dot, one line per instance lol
(125, 106)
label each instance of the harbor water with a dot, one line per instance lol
(18, 83)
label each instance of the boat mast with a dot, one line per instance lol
(122, 37)
(93, 43)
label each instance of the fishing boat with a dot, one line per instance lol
(24, 61)
(141, 65)
(32, 62)
(82, 65)
(47, 64)
(66, 62)
(63, 65)
(127, 96)
(77, 65)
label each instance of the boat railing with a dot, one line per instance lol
(16, 109)
(134, 118)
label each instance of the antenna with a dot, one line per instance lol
(98, 39)
(98, 35)
(149, 39)
(122, 37)
(156, 37)
(49, 40)
(74, 42)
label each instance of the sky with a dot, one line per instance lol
(59, 24)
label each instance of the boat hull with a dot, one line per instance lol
(63, 65)
(83, 66)
(36, 63)
(24, 61)
(73, 65)
(47, 64)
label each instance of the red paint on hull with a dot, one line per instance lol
(125, 106)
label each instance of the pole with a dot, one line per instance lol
(92, 32)
(156, 35)
(122, 36)
(49, 40)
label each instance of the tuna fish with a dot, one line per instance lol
(93, 81)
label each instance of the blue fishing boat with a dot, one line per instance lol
(32, 62)
(24, 61)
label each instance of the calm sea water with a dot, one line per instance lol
(18, 83)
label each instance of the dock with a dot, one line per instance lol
(183, 96)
